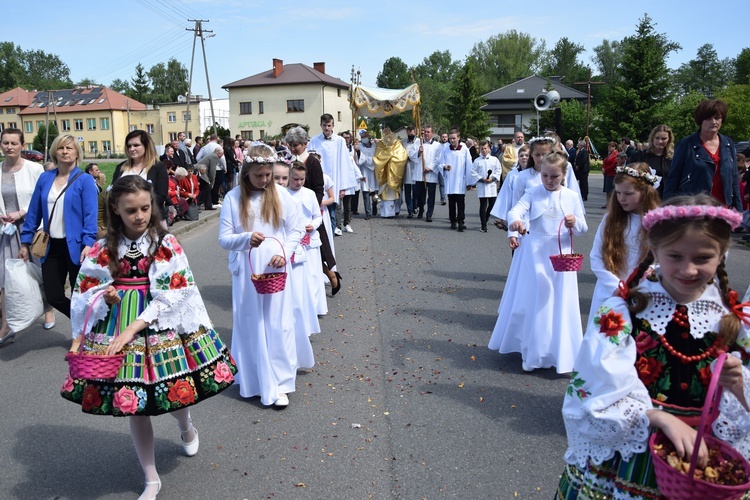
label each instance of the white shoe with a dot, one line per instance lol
(146, 495)
(526, 367)
(337, 232)
(348, 228)
(190, 448)
(282, 401)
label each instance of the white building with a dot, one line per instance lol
(268, 103)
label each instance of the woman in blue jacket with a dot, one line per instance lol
(73, 226)
(705, 162)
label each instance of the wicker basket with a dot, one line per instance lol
(93, 366)
(564, 262)
(268, 282)
(674, 484)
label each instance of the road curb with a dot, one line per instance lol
(185, 226)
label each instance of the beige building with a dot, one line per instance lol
(97, 116)
(268, 103)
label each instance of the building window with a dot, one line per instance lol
(295, 105)
(1, 110)
(262, 134)
(2, 127)
(338, 116)
(91, 123)
(247, 135)
(260, 108)
(11, 111)
(38, 124)
(172, 117)
(106, 146)
(338, 92)
(29, 127)
(12, 125)
(92, 147)
(104, 123)
(246, 108)
(150, 128)
(66, 125)
(79, 124)
(186, 116)
(172, 136)
(508, 121)
(132, 128)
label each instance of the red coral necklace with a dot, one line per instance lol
(681, 319)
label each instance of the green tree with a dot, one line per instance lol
(607, 59)
(464, 107)
(435, 76)
(563, 62)
(45, 71)
(11, 69)
(705, 74)
(85, 82)
(220, 131)
(140, 87)
(742, 67)
(678, 114)
(506, 57)
(635, 100)
(169, 81)
(737, 124)
(573, 115)
(38, 142)
(121, 86)
(394, 75)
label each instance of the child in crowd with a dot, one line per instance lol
(257, 216)
(311, 241)
(505, 199)
(620, 243)
(486, 171)
(539, 313)
(135, 293)
(646, 359)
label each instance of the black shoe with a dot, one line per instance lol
(420, 214)
(335, 290)
(443, 202)
(410, 216)
(454, 225)
(367, 217)
(355, 213)
(428, 219)
(484, 229)
(461, 228)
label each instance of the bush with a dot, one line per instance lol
(595, 165)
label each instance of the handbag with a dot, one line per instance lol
(24, 302)
(191, 213)
(40, 242)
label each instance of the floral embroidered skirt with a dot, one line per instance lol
(614, 478)
(162, 371)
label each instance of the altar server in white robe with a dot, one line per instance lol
(413, 170)
(486, 172)
(262, 224)
(430, 152)
(456, 166)
(367, 167)
(334, 156)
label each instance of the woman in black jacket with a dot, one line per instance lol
(143, 160)
(659, 154)
(232, 164)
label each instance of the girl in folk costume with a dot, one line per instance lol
(263, 341)
(538, 313)
(505, 200)
(486, 172)
(620, 243)
(135, 293)
(311, 241)
(646, 359)
(303, 307)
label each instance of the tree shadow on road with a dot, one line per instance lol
(457, 317)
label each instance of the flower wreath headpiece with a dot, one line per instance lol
(674, 212)
(652, 179)
(543, 140)
(266, 159)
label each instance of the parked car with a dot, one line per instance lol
(742, 147)
(32, 154)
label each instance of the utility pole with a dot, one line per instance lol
(199, 32)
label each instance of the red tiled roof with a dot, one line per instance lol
(16, 97)
(82, 99)
(292, 74)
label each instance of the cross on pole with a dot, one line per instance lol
(588, 84)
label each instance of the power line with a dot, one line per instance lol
(168, 14)
(143, 51)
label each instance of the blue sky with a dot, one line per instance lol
(105, 40)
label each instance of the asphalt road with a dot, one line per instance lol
(405, 400)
